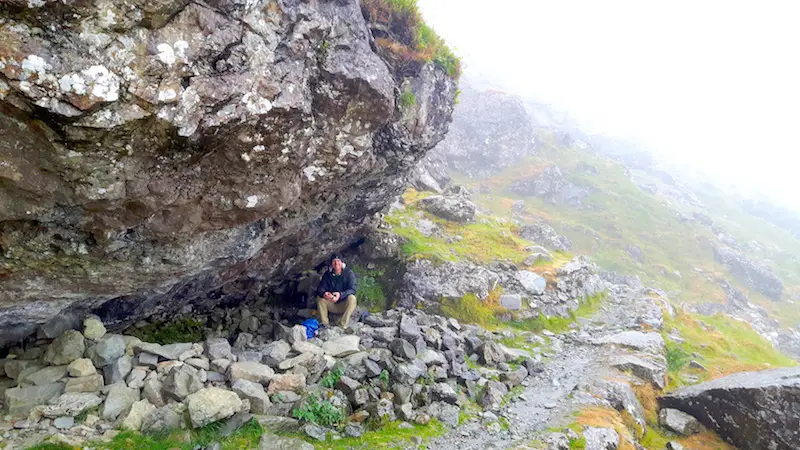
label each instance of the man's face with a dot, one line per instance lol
(336, 264)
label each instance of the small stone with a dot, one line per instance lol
(307, 347)
(93, 328)
(118, 370)
(297, 360)
(355, 430)
(287, 382)
(81, 367)
(162, 420)
(315, 431)
(136, 378)
(672, 445)
(679, 422)
(46, 375)
(403, 349)
(342, 346)
(63, 423)
(218, 348)
(148, 359)
(275, 352)
(151, 390)
(21, 400)
(200, 363)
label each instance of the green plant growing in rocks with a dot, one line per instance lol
(319, 411)
(181, 330)
(408, 99)
(370, 291)
(332, 377)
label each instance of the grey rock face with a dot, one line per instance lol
(163, 419)
(652, 369)
(490, 131)
(455, 209)
(181, 381)
(748, 409)
(753, 273)
(211, 165)
(275, 353)
(428, 282)
(271, 441)
(637, 340)
(551, 186)
(254, 392)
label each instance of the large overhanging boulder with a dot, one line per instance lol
(156, 154)
(749, 409)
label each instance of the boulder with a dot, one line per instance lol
(45, 375)
(254, 393)
(679, 422)
(512, 302)
(402, 349)
(491, 353)
(89, 383)
(118, 401)
(747, 409)
(162, 420)
(455, 209)
(217, 348)
(275, 353)
(93, 328)
(139, 411)
(66, 348)
(650, 369)
(251, 371)
(118, 370)
(429, 282)
(107, 350)
(291, 335)
(81, 367)
(181, 381)
(20, 400)
(533, 283)
(287, 382)
(251, 111)
(211, 404)
(543, 234)
(72, 404)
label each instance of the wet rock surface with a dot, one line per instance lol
(182, 147)
(748, 409)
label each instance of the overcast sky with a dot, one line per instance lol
(714, 84)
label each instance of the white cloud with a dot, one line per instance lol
(713, 84)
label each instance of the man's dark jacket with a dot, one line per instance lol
(344, 283)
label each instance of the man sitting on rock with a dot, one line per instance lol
(337, 292)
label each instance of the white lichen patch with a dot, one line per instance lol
(96, 81)
(259, 148)
(312, 172)
(167, 95)
(35, 3)
(252, 201)
(246, 157)
(33, 64)
(255, 104)
(166, 54)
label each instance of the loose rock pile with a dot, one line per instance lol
(403, 365)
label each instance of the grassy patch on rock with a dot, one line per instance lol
(724, 345)
(371, 294)
(558, 324)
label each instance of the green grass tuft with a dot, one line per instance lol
(408, 99)
(370, 290)
(181, 330)
(320, 411)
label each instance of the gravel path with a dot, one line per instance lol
(546, 402)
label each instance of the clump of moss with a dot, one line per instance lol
(181, 330)
(471, 309)
(401, 32)
(370, 290)
(408, 99)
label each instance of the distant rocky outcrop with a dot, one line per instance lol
(543, 234)
(154, 152)
(751, 410)
(752, 273)
(550, 185)
(490, 131)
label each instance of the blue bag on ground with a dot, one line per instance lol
(311, 327)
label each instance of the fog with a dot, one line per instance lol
(714, 86)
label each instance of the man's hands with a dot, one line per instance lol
(334, 297)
